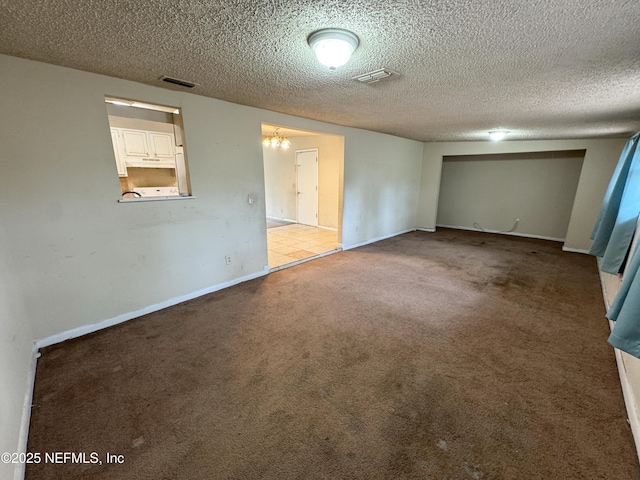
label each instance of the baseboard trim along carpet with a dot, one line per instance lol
(430, 230)
(304, 260)
(514, 234)
(109, 322)
(575, 250)
(26, 413)
(630, 400)
(377, 239)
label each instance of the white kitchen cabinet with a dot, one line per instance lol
(135, 143)
(162, 145)
(146, 149)
(118, 152)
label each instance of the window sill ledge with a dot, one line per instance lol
(153, 199)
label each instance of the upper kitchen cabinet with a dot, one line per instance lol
(135, 142)
(147, 149)
(162, 145)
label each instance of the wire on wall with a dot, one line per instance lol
(512, 229)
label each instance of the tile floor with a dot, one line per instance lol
(291, 243)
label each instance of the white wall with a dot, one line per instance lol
(494, 190)
(280, 182)
(381, 186)
(16, 344)
(87, 258)
(600, 159)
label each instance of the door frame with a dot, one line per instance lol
(304, 150)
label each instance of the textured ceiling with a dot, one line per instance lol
(540, 68)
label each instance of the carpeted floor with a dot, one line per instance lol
(447, 355)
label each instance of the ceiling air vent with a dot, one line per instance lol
(375, 76)
(177, 81)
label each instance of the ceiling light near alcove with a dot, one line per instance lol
(333, 46)
(498, 135)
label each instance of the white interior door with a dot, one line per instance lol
(307, 170)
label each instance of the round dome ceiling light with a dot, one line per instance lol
(498, 135)
(333, 46)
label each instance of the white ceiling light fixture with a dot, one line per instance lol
(333, 46)
(276, 140)
(498, 135)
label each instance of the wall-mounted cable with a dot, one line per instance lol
(476, 225)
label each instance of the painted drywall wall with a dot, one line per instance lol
(600, 159)
(16, 345)
(381, 186)
(87, 258)
(492, 191)
(280, 183)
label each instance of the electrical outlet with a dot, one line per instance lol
(227, 259)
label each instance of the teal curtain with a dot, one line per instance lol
(612, 237)
(616, 223)
(625, 310)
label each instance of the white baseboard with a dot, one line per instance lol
(575, 250)
(630, 400)
(281, 219)
(420, 229)
(298, 262)
(328, 228)
(515, 234)
(19, 472)
(377, 239)
(94, 327)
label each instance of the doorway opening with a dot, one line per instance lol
(303, 194)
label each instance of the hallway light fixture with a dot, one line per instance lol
(498, 135)
(333, 46)
(276, 140)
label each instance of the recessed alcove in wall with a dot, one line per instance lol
(492, 191)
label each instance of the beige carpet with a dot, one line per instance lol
(448, 355)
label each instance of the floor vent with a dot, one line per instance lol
(177, 81)
(375, 76)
